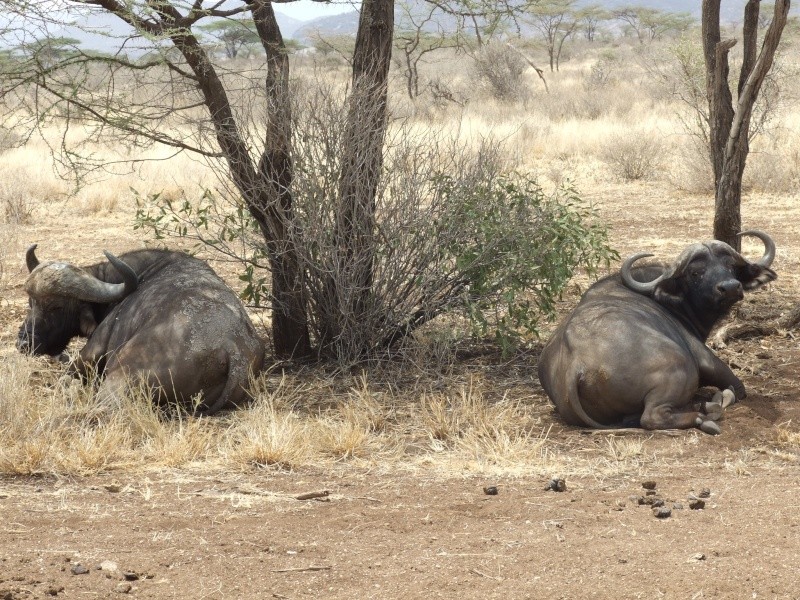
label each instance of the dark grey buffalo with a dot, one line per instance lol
(162, 317)
(633, 351)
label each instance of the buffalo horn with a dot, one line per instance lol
(68, 280)
(638, 286)
(128, 274)
(30, 258)
(769, 246)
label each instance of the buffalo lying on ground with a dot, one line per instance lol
(633, 351)
(158, 316)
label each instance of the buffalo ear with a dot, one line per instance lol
(753, 276)
(87, 321)
(669, 292)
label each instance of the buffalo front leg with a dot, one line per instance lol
(669, 406)
(716, 373)
(665, 416)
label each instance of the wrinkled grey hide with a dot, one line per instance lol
(633, 353)
(161, 316)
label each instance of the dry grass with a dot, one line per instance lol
(433, 412)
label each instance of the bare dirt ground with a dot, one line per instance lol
(384, 532)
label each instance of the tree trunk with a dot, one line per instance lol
(361, 167)
(273, 209)
(264, 190)
(729, 124)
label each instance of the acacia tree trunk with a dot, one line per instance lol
(265, 190)
(730, 124)
(361, 169)
(273, 209)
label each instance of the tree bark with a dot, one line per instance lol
(272, 207)
(264, 190)
(361, 166)
(729, 124)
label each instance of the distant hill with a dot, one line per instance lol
(343, 24)
(347, 23)
(102, 31)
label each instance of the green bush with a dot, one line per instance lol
(520, 249)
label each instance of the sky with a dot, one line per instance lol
(305, 10)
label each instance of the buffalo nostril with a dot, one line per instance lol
(730, 288)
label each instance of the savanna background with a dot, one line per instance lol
(401, 447)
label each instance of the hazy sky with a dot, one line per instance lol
(305, 10)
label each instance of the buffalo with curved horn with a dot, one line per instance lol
(633, 353)
(154, 315)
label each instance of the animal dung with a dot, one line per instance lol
(697, 504)
(556, 484)
(662, 512)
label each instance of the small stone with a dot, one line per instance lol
(697, 557)
(697, 504)
(78, 569)
(704, 493)
(649, 484)
(657, 502)
(677, 506)
(124, 587)
(108, 565)
(130, 576)
(556, 484)
(54, 590)
(490, 490)
(662, 512)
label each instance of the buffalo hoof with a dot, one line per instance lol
(713, 410)
(728, 397)
(707, 426)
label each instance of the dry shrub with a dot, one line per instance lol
(602, 73)
(634, 155)
(17, 201)
(500, 69)
(775, 171)
(9, 139)
(8, 260)
(691, 171)
(23, 189)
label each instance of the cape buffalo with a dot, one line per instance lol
(633, 351)
(154, 315)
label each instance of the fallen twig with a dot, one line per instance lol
(313, 495)
(482, 574)
(300, 569)
(633, 431)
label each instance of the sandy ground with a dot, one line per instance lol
(393, 533)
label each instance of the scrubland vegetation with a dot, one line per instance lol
(617, 117)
